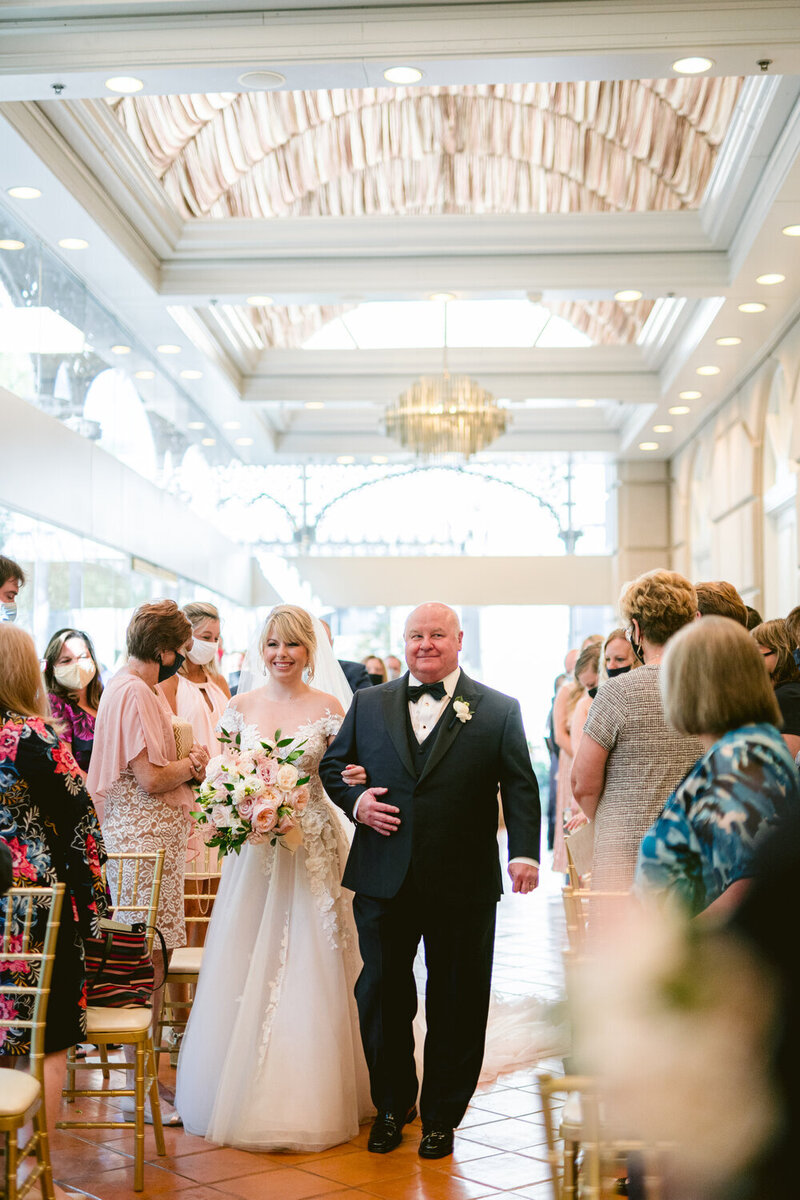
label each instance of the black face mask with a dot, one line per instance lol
(167, 672)
(592, 692)
(611, 672)
(374, 678)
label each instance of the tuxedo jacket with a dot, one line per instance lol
(448, 813)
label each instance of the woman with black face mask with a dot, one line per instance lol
(618, 656)
(135, 769)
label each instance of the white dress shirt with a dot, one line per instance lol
(424, 714)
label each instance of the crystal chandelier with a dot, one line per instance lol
(445, 414)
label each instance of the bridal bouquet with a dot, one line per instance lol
(252, 792)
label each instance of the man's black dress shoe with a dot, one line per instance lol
(437, 1141)
(387, 1131)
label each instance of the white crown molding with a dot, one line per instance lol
(92, 131)
(699, 320)
(34, 126)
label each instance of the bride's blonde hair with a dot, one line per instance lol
(291, 624)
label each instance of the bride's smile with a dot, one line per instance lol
(284, 659)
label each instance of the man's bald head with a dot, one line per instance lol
(433, 640)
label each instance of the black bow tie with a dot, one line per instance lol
(437, 690)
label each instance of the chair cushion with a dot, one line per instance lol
(186, 960)
(117, 1020)
(17, 1093)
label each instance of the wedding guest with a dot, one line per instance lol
(700, 849)
(793, 630)
(49, 824)
(617, 657)
(394, 668)
(630, 760)
(355, 672)
(587, 679)
(197, 693)
(12, 578)
(553, 751)
(376, 669)
(566, 702)
(721, 599)
(74, 687)
(775, 644)
(753, 618)
(136, 771)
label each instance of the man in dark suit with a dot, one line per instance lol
(424, 864)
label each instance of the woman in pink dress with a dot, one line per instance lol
(135, 769)
(565, 725)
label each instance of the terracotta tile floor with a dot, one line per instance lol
(500, 1146)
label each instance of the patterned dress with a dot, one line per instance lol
(707, 835)
(78, 728)
(647, 759)
(50, 826)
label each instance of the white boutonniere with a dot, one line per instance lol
(462, 709)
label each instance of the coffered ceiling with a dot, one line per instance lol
(550, 155)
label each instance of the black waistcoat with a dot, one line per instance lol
(421, 751)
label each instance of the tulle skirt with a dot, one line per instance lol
(272, 1056)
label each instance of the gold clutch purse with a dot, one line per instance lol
(184, 736)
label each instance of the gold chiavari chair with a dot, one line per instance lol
(140, 873)
(199, 892)
(22, 1092)
(586, 910)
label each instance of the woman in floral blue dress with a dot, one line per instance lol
(49, 824)
(699, 850)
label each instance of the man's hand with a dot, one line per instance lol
(524, 877)
(373, 812)
(353, 775)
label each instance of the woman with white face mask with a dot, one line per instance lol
(72, 679)
(198, 693)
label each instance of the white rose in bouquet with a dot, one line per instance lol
(287, 777)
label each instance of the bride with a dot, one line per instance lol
(271, 1058)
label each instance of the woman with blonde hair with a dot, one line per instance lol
(49, 824)
(617, 657)
(777, 649)
(271, 1058)
(630, 760)
(700, 849)
(566, 721)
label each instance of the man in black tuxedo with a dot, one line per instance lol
(425, 864)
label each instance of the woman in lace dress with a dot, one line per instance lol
(272, 1057)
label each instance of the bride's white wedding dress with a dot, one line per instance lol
(272, 1058)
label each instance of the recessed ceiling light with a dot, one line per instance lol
(144, 374)
(708, 370)
(694, 65)
(196, 425)
(586, 403)
(190, 374)
(73, 244)
(791, 230)
(315, 404)
(208, 441)
(679, 410)
(648, 445)
(231, 424)
(379, 459)
(260, 301)
(402, 75)
(120, 349)
(262, 81)
(244, 441)
(345, 459)
(752, 306)
(126, 85)
(729, 341)
(442, 296)
(628, 294)
(168, 349)
(24, 193)
(662, 429)
(690, 395)
(771, 278)
(11, 244)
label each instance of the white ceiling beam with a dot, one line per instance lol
(205, 49)
(328, 444)
(328, 279)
